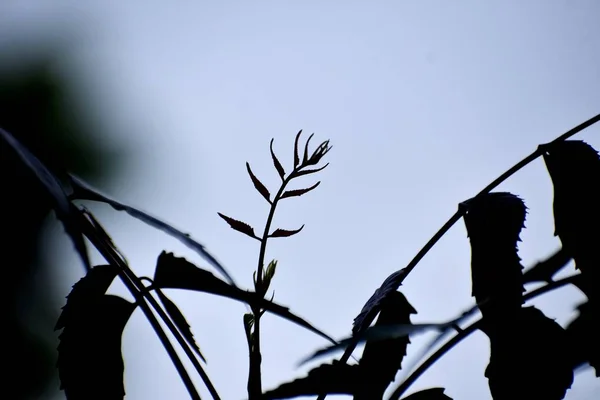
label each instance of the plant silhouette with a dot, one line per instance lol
(531, 356)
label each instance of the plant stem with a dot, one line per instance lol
(254, 374)
(464, 333)
(461, 211)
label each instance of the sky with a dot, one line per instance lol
(424, 103)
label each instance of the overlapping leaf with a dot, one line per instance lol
(178, 273)
(85, 191)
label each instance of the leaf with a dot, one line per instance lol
(372, 306)
(92, 286)
(382, 359)
(296, 158)
(309, 171)
(544, 270)
(284, 232)
(276, 162)
(178, 273)
(299, 192)
(335, 378)
(429, 394)
(65, 211)
(179, 321)
(262, 189)
(84, 191)
(90, 363)
(305, 157)
(494, 222)
(239, 226)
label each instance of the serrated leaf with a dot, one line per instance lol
(84, 191)
(309, 171)
(305, 157)
(90, 363)
(178, 273)
(545, 270)
(276, 162)
(296, 142)
(65, 211)
(262, 189)
(333, 378)
(92, 286)
(285, 232)
(372, 306)
(429, 394)
(179, 321)
(239, 226)
(299, 192)
(382, 359)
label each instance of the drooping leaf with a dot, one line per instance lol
(305, 156)
(299, 192)
(65, 211)
(276, 162)
(262, 189)
(310, 171)
(494, 222)
(285, 232)
(84, 191)
(239, 226)
(178, 273)
(544, 270)
(90, 363)
(574, 168)
(296, 142)
(372, 306)
(334, 378)
(92, 286)
(382, 359)
(429, 394)
(584, 336)
(179, 321)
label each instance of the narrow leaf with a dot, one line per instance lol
(90, 363)
(332, 378)
(309, 171)
(305, 157)
(179, 321)
(429, 394)
(276, 162)
(299, 192)
(262, 189)
(284, 232)
(239, 226)
(84, 191)
(296, 158)
(178, 273)
(65, 211)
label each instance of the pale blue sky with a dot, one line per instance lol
(424, 102)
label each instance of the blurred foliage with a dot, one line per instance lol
(35, 108)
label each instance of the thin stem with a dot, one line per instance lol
(461, 211)
(464, 333)
(126, 276)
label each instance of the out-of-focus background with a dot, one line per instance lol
(160, 105)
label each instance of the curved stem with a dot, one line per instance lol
(401, 389)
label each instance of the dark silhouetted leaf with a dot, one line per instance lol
(262, 189)
(296, 143)
(310, 171)
(90, 363)
(584, 336)
(276, 162)
(305, 156)
(239, 226)
(382, 359)
(65, 211)
(545, 270)
(429, 394)
(332, 378)
(372, 306)
(178, 273)
(284, 232)
(84, 191)
(179, 321)
(92, 286)
(299, 192)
